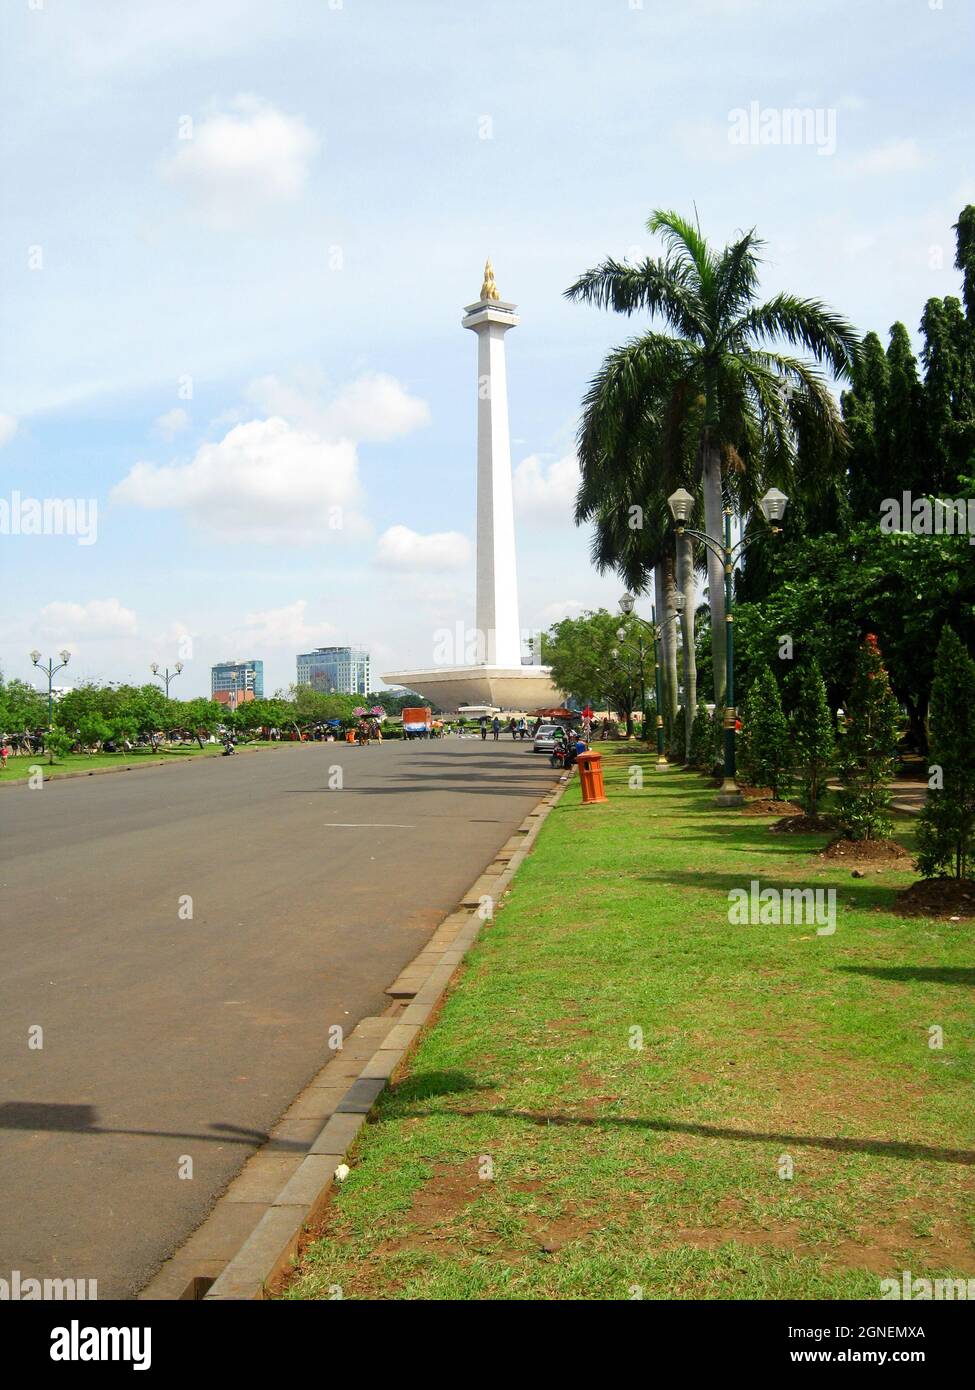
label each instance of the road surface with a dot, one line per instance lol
(184, 936)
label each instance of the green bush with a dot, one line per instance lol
(946, 832)
(766, 753)
(704, 735)
(868, 748)
(813, 737)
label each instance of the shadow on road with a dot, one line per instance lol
(38, 1116)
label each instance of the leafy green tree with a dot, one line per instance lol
(813, 737)
(868, 748)
(766, 755)
(588, 661)
(202, 717)
(716, 371)
(22, 708)
(946, 832)
(58, 743)
(830, 588)
(92, 730)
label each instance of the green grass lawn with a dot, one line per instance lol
(531, 1152)
(18, 769)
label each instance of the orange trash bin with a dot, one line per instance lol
(591, 778)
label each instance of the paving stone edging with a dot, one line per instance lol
(266, 1255)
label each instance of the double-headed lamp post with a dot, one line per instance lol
(167, 675)
(50, 670)
(627, 604)
(681, 505)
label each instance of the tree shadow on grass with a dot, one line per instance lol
(866, 895)
(921, 974)
(426, 1085)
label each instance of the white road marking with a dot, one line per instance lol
(365, 825)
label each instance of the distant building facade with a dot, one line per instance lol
(344, 670)
(234, 682)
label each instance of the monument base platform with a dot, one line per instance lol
(503, 687)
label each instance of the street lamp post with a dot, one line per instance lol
(627, 604)
(50, 670)
(640, 653)
(167, 675)
(681, 505)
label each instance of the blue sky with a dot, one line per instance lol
(224, 338)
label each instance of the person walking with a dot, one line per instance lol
(512, 728)
(483, 722)
(496, 728)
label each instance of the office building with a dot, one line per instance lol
(234, 682)
(342, 670)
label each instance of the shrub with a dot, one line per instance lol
(946, 833)
(703, 738)
(868, 748)
(813, 737)
(766, 753)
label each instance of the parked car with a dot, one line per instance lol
(544, 740)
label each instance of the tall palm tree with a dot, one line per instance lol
(718, 366)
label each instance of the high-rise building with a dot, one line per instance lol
(344, 670)
(234, 682)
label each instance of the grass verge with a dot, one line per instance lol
(620, 1083)
(18, 769)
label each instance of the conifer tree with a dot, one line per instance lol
(766, 752)
(702, 738)
(814, 739)
(868, 748)
(946, 834)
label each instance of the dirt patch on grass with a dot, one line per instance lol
(866, 852)
(938, 897)
(766, 806)
(804, 825)
(448, 1192)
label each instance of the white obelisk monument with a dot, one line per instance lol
(495, 677)
(496, 609)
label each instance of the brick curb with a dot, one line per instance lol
(272, 1207)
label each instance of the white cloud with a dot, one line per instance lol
(563, 608)
(240, 160)
(8, 428)
(546, 493)
(97, 618)
(264, 481)
(895, 157)
(399, 548)
(287, 626)
(172, 422)
(371, 409)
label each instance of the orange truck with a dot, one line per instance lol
(418, 721)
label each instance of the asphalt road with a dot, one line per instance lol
(166, 1035)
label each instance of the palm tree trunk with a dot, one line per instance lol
(670, 627)
(660, 608)
(714, 526)
(685, 583)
